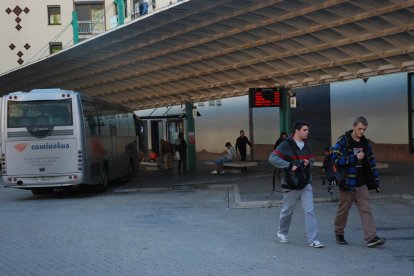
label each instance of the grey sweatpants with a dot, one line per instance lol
(289, 202)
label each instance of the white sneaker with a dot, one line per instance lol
(316, 244)
(223, 171)
(214, 172)
(282, 238)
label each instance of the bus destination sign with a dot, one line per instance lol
(264, 97)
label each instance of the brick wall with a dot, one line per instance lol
(392, 153)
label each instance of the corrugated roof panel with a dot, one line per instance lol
(219, 48)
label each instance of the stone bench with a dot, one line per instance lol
(379, 165)
(236, 164)
(149, 166)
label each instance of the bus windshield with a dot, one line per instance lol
(39, 113)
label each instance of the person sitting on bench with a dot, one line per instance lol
(227, 158)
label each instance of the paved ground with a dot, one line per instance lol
(165, 223)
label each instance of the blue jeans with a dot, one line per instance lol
(221, 161)
(290, 198)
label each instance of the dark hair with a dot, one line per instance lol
(241, 131)
(299, 124)
(283, 133)
(228, 144)
(362, 120)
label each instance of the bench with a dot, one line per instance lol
(242, 165)
(149, 166)
(379, 165)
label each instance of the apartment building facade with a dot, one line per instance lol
(32, 30)
(132, 9)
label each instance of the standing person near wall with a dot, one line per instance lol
(294, 155)
(167, 153)
(181, 147)
(356, 168)
(283, 136)
(241, 143)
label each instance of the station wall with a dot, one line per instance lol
(329, 109)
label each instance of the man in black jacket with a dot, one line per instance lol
(241, 143)
(295, 153)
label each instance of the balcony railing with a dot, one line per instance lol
(91, 27)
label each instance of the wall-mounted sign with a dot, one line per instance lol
(264, 97)
(292, 101)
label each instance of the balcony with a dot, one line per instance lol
(91, 27)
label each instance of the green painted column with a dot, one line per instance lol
(121, 14)
(190, 135)
(284, 111)
(75, 27)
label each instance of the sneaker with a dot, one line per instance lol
(214, 172)
(282, 238)
(223, 171)
(316, 244)
(377, 241)
(340, 239)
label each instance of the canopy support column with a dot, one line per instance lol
(190, 135)
(284, 111)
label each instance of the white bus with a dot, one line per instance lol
(55, 138)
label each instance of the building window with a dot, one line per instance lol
(411, 111)
(55, 47)
(53, 13)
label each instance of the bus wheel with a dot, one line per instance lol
(104, 180)
(42, 191)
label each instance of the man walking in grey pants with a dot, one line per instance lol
(290, 155)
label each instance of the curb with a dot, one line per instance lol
(183, 187)
(405, 198)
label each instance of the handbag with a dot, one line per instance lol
(177, 155)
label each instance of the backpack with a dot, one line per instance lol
(340, 172)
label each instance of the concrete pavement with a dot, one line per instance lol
(254, 187)
(170, 223)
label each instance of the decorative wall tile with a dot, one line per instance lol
(12, 46)
(27, 46)
(17, 10)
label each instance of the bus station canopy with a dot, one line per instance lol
(200, 50)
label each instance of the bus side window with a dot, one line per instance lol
(90, 117)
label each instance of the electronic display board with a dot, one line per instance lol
(264, 97)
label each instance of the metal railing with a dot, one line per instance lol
(91, 27)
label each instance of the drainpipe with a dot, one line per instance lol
(75, 27)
